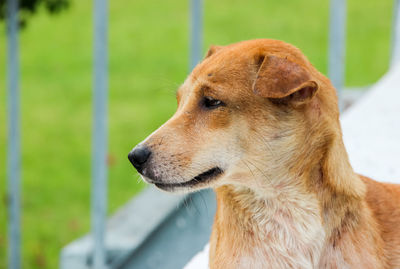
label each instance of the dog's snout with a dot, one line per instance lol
(139, 156)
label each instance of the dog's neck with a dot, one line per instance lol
(290, 227)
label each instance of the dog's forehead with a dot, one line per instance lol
(216, 82)
(219, 73)
(227, 65)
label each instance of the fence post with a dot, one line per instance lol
(196, 37)
(337, 46)
(395, 55)
(99, 146)
(14, 154)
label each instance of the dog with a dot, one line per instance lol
(260, 125)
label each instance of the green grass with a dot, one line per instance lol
(148, 59)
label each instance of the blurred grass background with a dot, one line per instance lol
(148, 42)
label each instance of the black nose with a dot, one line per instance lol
(139, 156)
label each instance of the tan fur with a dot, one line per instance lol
(288, 197)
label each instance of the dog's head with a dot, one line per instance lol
(246, 115)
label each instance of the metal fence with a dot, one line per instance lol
(14, 151)
(99, 146)
(395, 55)
(100, 92)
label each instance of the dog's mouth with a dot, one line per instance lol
(202, 178)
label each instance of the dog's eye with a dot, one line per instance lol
(211, 103)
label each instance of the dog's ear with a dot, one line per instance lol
(213, 49)
(283, 81)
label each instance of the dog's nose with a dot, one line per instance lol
(139, 156)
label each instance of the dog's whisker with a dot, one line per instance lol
(261, 171)
(252, 173)
(266, 143)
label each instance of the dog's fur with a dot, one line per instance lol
(286, 193)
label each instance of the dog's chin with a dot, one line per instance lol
(200, 181)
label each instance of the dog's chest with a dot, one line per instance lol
(276, 236)
(285, 243)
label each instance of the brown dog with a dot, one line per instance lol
(259, 124)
